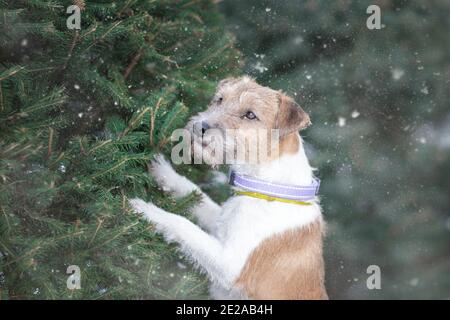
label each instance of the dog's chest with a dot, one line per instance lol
(245, 222)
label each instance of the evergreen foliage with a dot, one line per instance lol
(81, 114)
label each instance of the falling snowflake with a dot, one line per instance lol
(424, 90)
(77, 87)
(298, 40)
(342, 121)
(355, 114)
(414, 282)
(397, 74)
(102, 290)
(259, 66)
(268, 9)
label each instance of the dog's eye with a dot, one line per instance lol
(219, 99)
(250, 115)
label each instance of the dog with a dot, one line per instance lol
(251, 247)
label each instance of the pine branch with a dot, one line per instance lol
(50, 142)
(134, 122)
(104, 35)
(133, 63)
(10, 72)
(153, 113)
(137, 157)
(72, 46)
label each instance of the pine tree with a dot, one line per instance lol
(379, 105)
(82, 112)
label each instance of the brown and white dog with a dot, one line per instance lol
(250, 247)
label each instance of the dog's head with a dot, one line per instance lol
(241, 113)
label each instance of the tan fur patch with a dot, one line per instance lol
(288, 266)
(291, 117)
(290, 144)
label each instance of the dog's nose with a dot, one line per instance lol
(200, 128)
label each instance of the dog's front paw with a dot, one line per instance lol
(163, 173)
(148, 210)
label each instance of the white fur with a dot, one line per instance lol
(236, 228)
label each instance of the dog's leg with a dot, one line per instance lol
(198, 245)
(206, 211)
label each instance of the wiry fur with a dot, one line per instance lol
(249, 247)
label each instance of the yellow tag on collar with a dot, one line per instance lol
(270, 198)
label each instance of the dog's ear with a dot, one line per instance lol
(291, 117)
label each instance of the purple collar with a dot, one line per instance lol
(286, 191)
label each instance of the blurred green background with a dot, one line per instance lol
(380, 138)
